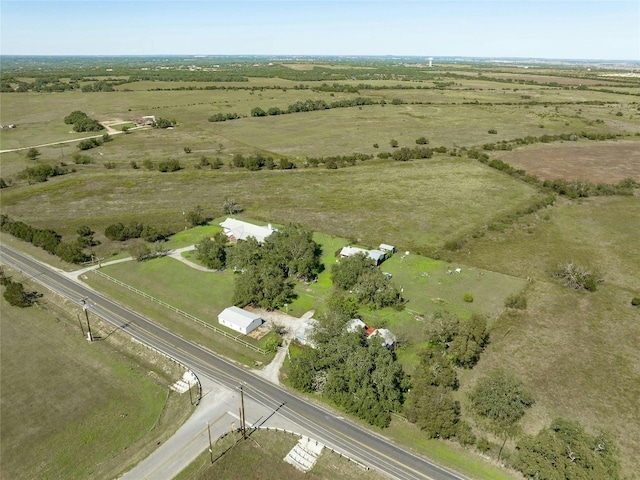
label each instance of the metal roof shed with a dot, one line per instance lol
(239, 320)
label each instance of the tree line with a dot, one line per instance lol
(50, 241)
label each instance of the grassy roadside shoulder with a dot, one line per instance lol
(73, 409)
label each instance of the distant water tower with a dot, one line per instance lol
(431, 61)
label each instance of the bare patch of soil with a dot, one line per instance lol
(601, 162)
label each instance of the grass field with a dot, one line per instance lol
(577, 350)
(606, 162)
(71, 409)
(401, 203)
(261, 456)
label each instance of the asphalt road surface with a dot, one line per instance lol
(326, 426)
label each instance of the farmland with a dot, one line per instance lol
(574, 349)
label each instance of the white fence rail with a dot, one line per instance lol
(183, 313)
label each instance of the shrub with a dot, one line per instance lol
(635, 301)
(577, 277)
(493, 131)
(187, 150)
(169, 165)
(517, 301)
(468, 297)
(109, 165)
(80, 159)
(422, 141)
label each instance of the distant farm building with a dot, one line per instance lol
(239, 320)
(237, 230)
(146, 120)
(377, 256)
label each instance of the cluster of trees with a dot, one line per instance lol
(362, 377)
(163, 123)
(404, 154)
(41, 173)
(258, 161)
(223, 117)
(100, 86)
(82, 123)
(453, 342)
(264, 271)
(120, 232)
(358, 276)
(49, 240)
(90, 143)
(14, 292)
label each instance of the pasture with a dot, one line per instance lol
(71, 409)
(575, 350)
(603, 162)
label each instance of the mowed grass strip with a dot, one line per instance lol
(71, 409)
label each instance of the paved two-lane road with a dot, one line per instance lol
(325, 426)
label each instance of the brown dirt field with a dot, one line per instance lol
(602, 162)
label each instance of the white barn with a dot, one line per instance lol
(238, 230)
(239, 320)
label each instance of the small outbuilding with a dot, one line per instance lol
(239, 320)
(387, 248)
(377, 256)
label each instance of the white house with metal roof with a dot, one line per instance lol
(238, 230)
(239, 320)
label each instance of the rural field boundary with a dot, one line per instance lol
(182, 312)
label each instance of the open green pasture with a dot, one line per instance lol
(73, 409)
(576, 350)
(416, 205)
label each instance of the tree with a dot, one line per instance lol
(231, 207)
(163, 123)
(14, 294)
(261, 285)
(32, 154)
(258, 112)
(139, 250)
(393, 142)
(430, 404)
(500, 400)
(293, 249)
(196, 216)
(85, 237)
(212, 252)
(71, 252)
(469, 342)
(565, 450)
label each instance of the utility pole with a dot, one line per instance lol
(242, 419)
(85, 307)
(210, 446)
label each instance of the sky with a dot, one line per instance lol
(573, 29)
